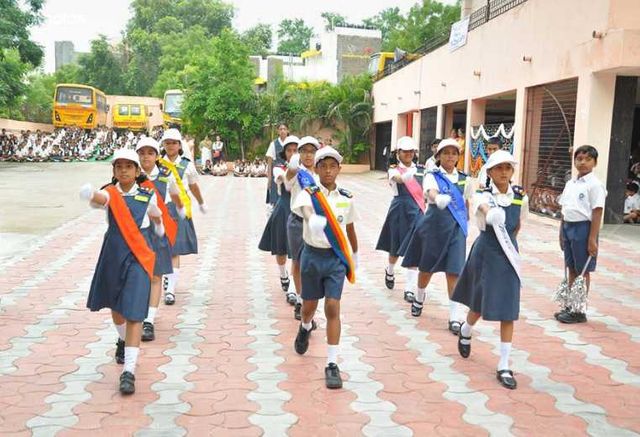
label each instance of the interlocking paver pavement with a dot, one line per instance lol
(223, 362)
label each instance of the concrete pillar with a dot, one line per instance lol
(475, 116)
(439, 121)
(448, 120)
(520, 125)
(416, 126)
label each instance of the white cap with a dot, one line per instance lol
(291, 139)
(449, 142)
(327, 152)
(127, 154)
(309, 140)
(406, 143)
(499, 157)
(148, 142)
(171, 134)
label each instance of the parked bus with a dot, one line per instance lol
(79, 105)
(131, 116)
(172, 108)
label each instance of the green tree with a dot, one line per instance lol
(388, 20)
(221, 96)
(38, 99)
(102, 68)
(293, 36)
(258, 39)
(143, 52)
(12, 87)
(69, 73)
(332, 20)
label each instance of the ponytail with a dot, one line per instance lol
(113, 182)
(142, 178)
(488, 182)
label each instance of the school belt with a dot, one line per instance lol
(320, 250)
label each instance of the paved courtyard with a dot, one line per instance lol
(223, 362)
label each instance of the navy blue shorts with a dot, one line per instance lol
(575, 237)
(322, 274)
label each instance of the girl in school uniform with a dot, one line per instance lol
(499, 209)
(122, 279)
(407, 205)
(274, 236)
(160, 179)
(438, 243)
(301, 161)
(186, 176)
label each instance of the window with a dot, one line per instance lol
(70, 95)
(135, 110)
(123, 110)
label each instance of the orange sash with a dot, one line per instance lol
(130, 231)
(170, 226)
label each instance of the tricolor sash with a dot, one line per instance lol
(332, 231)
(414, 188)
(184, 197)
(170, 226)
(456, 206)
(130, 231)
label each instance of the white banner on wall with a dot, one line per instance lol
(458, 36)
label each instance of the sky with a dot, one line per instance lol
(80, 21)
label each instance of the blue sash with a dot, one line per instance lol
(457, 207)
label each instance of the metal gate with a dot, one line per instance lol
(383, 141)
(428, 120)
(551, 113)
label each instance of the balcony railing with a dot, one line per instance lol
(477, 18)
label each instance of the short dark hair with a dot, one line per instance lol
(494, 140)
(632, 187)
(586, 149)
(436, 141)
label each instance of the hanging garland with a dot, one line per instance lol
(480, 136)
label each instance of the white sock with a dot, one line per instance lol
(453, 310)
(172, 280)
(421, 293)
(299, 299)
(466, 329)
(307, 326)
(122, 330)
(176, 276)
(332, 353)
(130, 358)
(411, 276)
(283, 270)
(151, 315)
(390, 268)
(505, 351)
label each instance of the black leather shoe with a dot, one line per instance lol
(291, 298)
(302, 340)
(284, 283)
(506, 379)
(120, 352)
(332, 377)
(409, 296)
(572, 318)
(169, 298)
(454, 326)
(389, 280)
(297, 311)
(416, 308)
(148, 332)
(562, 311)
(464, 349)
(127, 383)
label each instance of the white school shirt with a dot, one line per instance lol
(482, 176)
(132, 192)
(581, 195)
(429, 183)
(632, 203)
(271, 151)
(190, 175)
(292, 185)
(395, 172)
(430, 164)
(217, 145)
(172, 185)
(500, 199)
(342, 206)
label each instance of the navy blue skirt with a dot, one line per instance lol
(488, 284)
(401, 218)
(294, 236)
(186, 240)
(274, 236)
(437, 244)
(162, 248)
(119, 282)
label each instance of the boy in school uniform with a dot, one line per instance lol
(582, 203)
(632, 203)
(325, 260)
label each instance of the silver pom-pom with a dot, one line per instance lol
(577, 301)
(562, 293)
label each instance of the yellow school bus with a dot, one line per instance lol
(79, 105)
(131, 116)
(172, 108)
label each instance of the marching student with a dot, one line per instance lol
(273, 158)
(493, 145)
(303, 161)
(122, 278)
(186, 177)
(164, 183)
(490, 281)
(407, 205)
(274, 236)
(329, 213)
(582, 203)
(438, 243)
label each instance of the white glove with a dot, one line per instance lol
(86, 192)
(203, 208)
(317, 223)
(158, 229)
(495, 216)
(443, 200)
(182, 212)
(154, 211)
(268, 210)
(408, 174)
(356, 260)
(294, 162)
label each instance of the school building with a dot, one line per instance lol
(545, 76)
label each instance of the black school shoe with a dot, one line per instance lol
(284, 283)
(571, 318)
(506, 379)
(291, 297)
(562, 311)
(416, 308)
(127, 383)
(389, 280)
(297, 311)
(120, 352)
(464, 349)
(409, 296)
(169, 298)
(454, 327)
(332, 378)
(148, 332)
(302, 339)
